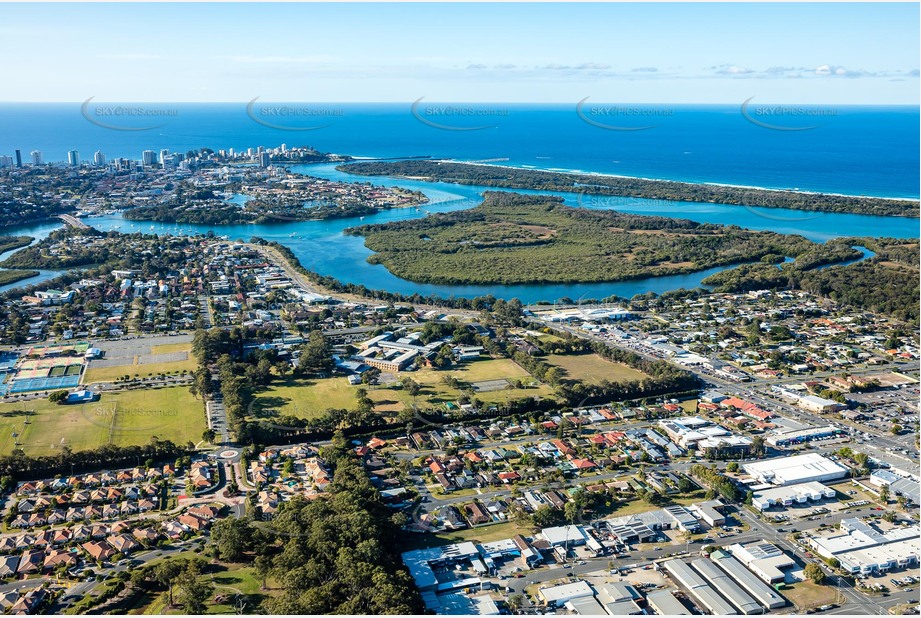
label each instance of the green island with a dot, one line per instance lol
(512, 238)
(12, 276)
(600, 185)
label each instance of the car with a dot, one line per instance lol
(567, 566)
(657, 549)
(581, 562)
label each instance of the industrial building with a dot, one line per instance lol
(707, 512)
(708, 598)
(559, 595)
(765, 560)
(664, 603)
(759, 590)
(898, 485)
(788, 495)
(796, 469)
(725, 585)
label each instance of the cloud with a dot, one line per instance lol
(733, 70)
(644, 70)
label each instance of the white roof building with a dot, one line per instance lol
(796, 469)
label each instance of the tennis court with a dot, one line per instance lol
(78, 348)
(43, 384)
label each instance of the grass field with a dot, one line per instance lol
(806, 594)
(434, 391)
(170, 348)
(592, 369)
(123, 419)
(305, 398)
(110, 374)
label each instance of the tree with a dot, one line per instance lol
(262, 566)
(732, 466)
(316, 354)
(193, 590)
(814, 573)
(896, 429)
(209, 436)
(232, 537)
(515, 601)
(166, 573)
(884, 493)
(58, 397)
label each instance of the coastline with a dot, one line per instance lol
(651, 179)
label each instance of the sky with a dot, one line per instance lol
(840, 53)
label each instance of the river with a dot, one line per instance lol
(321, 246)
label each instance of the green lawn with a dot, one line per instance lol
(305, 398)
(592, 369)
(110, 374)
(170, 348)
(124, 418)
(434, 391)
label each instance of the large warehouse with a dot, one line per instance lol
(796, 469)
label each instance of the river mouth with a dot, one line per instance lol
(323, 248)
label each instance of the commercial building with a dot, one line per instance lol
(765, 560)
(720, 580)
(664, 603)
(569, 536)
(788, 495)
(421, 561)
(861, 548)
(37, 158)
(759, 590)
(796, 469)
(898, 485)
(73, 158)
(708, 598)
(707, 512)
(790, 437)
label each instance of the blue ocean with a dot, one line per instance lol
(836, 149)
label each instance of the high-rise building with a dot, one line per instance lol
(284, 148)
(164, 153)
(6, 161)
(149, 157)
(37, 158)
(18, 158)
(73, 158)
(249, 152)
(99, 158)
(264, 159)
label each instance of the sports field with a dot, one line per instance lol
(591, 368)
(124, 418)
